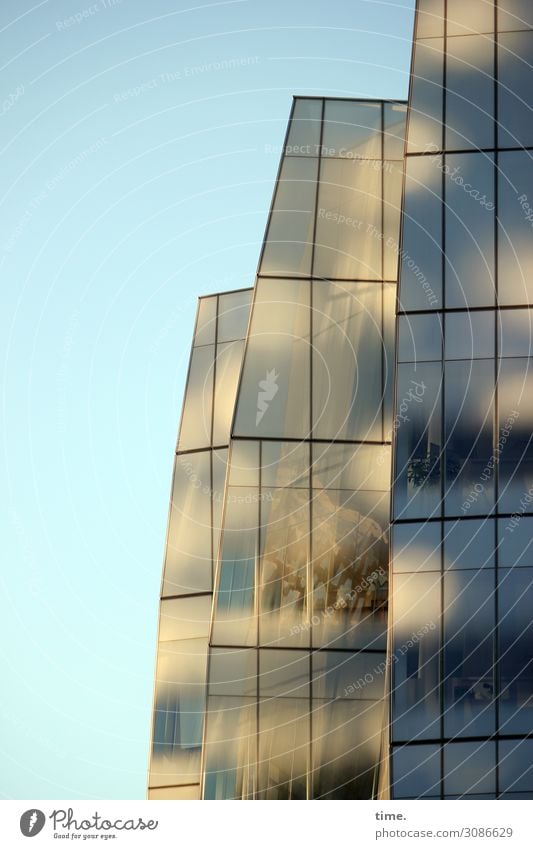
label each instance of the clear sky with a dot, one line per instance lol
(139, 145)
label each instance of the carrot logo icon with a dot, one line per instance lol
(32, 822)
(268, 389)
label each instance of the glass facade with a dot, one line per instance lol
(323, 633)
(461, 673)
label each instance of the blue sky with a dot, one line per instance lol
(139, 143)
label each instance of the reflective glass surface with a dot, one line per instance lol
(515, 599)
(469, 335)
(470, 91)
(347, 351)
(233, 314)
(349, 225)
(469, 768)
(417, 547)
(469, 544)
(468, 433)
(474, 16)
(424, 131)
(515, 333)
(352, 130)
(195, 430)
(206, 322)
(514, 14)
(419, 338)
(274, 394)
(304, 133)
(421, 270)
(227, 369)
(430, 18)
(395, 115)
(515, 246)
(416, 600)
(416, 771)
(469, 221)
(515, 402)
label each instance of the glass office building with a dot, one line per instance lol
(335, 623)
(462, 565)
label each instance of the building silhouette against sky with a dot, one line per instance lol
(323, 633)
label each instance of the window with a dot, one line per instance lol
(419, 338)
(469, 687)
(418, 441)
(515, 246)
(352, 130)
(421, 276)
(395, 118)
(469, 426)
(227, 369)
(515, 328)
(515, 402)
(274, 399)
(188, 551)
(469, 544)
(515, 77)
(195, 429)
(289, 238)
(469, 335)
(347, 350)
(416, 772)
(515, 597)
(304, 130)
(424, 132)
(416, 671)
(417, 547)
(516, 766)
(469, 195)
(349, 226)
(430, 18)
(469, 768)
(233, 314)
(514, 14)
(470, 91)
(206, 322)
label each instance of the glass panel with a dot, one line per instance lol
(220, 460)
(416, 772)
(284, 674)
(418, 441)
(395, 117)
(244, 466)
(346, 748)
(515, 101)
(304, 130)
(424, 130)
(469, 335)
(283, 567)
(352, 130)
(274, 396)
(234, 622)
(230, 748)
(184, 618)
(351, 467)
(515, 330)
(469, 768)
(233, 672)
(350, 569)
(430, 20)
(347, 342)
(206, 323)
(389, 346)
(421, 256)
(179, 710)
(469, 544)
(470, 230)
(349, 227)
(188, 552)
(469, 687)
(195, 430)
(474, 16)
(416, 671)
(417, 547)
(515, 600)
(289, 238)
(284, 464)
(283, 748)
(515, 541)
(392, 207)
(515, 216)
(342, 675)
(470, 92)
(516, 766)
(233, 314)
(468, 432)
(514, 14)
(419, 338)
(515, 402)
(228, 367)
